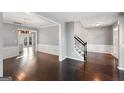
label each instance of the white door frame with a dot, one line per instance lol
(35, 38)
(115, 43)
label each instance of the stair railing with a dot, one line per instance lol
(81, 45)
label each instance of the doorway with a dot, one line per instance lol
(27, 41)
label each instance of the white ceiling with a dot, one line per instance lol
(87, 19)
(99, 21)
(27, 19)
(36, 20)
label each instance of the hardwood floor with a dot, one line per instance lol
(99, 67)
(46, 67)
(41, 66)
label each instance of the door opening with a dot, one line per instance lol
(27, 41)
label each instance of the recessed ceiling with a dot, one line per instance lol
(27, 19)
(87, 19)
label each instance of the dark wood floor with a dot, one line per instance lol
(45, 67)
(41, 66)
(99, 67)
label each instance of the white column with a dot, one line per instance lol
(121, 41)
(1, 46)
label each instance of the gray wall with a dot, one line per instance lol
(10, 37)
(121, 41)
(49, 35)
(1, 35)
(102, 35)
(62, 34)
(1, 47)
(70, 41)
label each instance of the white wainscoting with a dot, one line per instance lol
(50, 49)
(9, 52)
(100, 48)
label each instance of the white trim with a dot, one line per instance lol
(35, 39)
(45, 18)
(120, 68)
(48, 26)
(71, 58)
(60, 44)
(50, 49)
(62, 59)
(9, 52)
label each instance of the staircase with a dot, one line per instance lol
(80, 47)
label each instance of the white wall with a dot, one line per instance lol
(121, 42)
(101, 48)
(98, 39)
(49, 35)
(1, 48)
(9, 52)
(50, 49)
(10, 37)
(96, 35)
(48, 40)
(10, 41)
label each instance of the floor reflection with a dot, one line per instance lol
(28, 61)
(28, 52)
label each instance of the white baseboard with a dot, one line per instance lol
(50, 49)
(62, 59)
(75, 58)
(9, 52)
(120, 68)
(100, 48)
